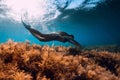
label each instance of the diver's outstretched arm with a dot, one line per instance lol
(62, 37)
(75, 43)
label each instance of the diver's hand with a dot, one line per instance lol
(78, 48)
(77, 45)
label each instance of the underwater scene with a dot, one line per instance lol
(59, 39)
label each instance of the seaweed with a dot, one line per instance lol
(25, 61)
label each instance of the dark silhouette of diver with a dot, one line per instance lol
(58, 36)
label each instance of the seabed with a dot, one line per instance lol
(25, 61)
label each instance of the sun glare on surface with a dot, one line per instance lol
(35, 9)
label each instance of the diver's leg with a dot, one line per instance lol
(40, 36)
(44, 37)
(26, 26)
(33, 31)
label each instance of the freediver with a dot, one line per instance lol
(58, 36)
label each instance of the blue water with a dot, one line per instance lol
(97, 26)
(86, 35)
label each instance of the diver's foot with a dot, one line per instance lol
(26, 25)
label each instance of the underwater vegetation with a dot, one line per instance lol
(25, 61)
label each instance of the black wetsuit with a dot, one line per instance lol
(58, 36)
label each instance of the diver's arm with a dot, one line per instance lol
(66, 34)
(72, 41)
(62, 36)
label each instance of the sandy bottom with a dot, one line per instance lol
(22, 61)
